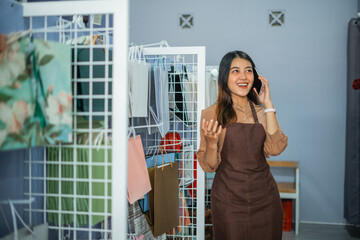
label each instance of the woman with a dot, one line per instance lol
(236, 136)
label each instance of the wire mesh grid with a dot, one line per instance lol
(72, 183)
(182, 94)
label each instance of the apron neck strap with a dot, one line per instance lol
(253, 112)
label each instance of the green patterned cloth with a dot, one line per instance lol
(35, 93)
(83, 194)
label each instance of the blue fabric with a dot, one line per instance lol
(144, 203)
(150, 162)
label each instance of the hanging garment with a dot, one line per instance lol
(177, 99)
(35, 93)
(165, 117)
(352, 157)
(172, 141)
(138, 84)
(82, 187)
(190, 95)
(154, 101)
(158, 103)
(91, 81)
(211, 89)
(245, 201)
(67, 186)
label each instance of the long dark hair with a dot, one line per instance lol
(225, 112)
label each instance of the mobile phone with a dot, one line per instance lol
(257, 83)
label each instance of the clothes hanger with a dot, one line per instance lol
(14, 213)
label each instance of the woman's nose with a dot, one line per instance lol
(242, 75)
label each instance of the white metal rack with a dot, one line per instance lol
(115, 105)
(193, 58)
(115, 15)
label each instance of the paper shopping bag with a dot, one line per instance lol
(163, 214)
(138, 176)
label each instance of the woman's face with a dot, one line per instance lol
(241, 77)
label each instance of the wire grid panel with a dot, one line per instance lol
(75, 186)
(186, 72)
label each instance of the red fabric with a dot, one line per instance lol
(356, 84)
(172, 141)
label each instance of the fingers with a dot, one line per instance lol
(210, 128)
(215, 127)
(264, 80)
(219, 130)
(203, 124)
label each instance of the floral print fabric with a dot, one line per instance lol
(35, 93)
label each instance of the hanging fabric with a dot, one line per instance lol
(190, 96)
(352, 157)
(154, 107)
(158, 98)
(172, 141)
(165, 117)
(67, 164)
(54, 166)
(35, 93)
(93, 80)
(158, 119)
(178, 106)
(211, 90)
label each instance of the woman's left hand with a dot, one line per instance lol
(264, 95)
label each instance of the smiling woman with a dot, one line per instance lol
(236, 135)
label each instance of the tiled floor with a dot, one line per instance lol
(323, 232)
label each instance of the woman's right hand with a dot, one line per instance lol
(212, 131)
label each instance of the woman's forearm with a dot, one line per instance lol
(211, 157)
(272, 124)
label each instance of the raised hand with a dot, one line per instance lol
(211, 130)
(264, 95)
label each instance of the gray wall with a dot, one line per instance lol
(305, 62)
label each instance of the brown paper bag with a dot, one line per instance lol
(163, 214)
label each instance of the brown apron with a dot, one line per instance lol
(245, 201)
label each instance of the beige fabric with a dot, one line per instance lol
(274, 144)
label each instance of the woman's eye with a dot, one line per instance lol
(249, 70)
